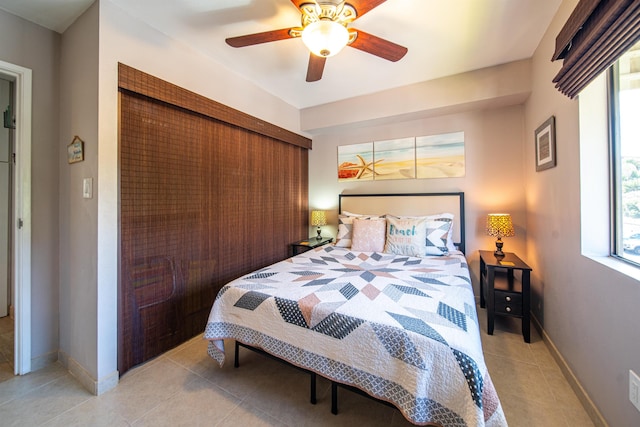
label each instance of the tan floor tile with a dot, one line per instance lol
(247, 415)
(516, 378)
(521, 412)
(577, 417)
(144, 389)
(44, 403)
(17, 386)
(94, 412)
(561, 389)
(255, 371)
(542, 357)
(198, 403)
(285, 394)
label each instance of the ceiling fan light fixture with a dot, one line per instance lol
(325, 38)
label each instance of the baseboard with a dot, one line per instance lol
(591, 409)
(95, 387)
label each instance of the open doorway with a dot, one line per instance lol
(19, 212)
(7, 106)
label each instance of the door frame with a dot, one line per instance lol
(22, 78)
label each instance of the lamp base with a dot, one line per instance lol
(319, 237)
(498, 252)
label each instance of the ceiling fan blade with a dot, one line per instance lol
(315, 68)
(363, 6)
(378, 47)
(258, 38)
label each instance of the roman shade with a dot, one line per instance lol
(596, 34)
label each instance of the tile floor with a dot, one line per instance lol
(185, 387)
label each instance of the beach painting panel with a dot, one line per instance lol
(440, 156)
(355, 162)
(395, 159)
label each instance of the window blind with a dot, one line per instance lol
(596, 34)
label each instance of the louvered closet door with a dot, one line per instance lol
(202, 202)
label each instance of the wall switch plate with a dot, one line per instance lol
(87, 188)
(634, 389)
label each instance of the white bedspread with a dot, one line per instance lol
(402, 329)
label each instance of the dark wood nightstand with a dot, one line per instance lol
(503, 292)
(308, 244)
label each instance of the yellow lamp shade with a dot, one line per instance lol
(318, 218)
(499, 225)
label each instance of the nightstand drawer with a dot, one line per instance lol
(508, 303)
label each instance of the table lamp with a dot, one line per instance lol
(499, 225)
(318, 218)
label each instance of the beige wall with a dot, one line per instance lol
(588, 309)
(30, 46)
(78, 220)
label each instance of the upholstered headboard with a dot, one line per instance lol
(414, 204)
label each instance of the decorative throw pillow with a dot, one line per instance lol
(437, 232)
(445, 217)
(406, 236)
(345, 228)
(368, 234)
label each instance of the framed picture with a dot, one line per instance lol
(355, 162)
(75, 150)
(546, 145)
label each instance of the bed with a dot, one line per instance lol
(399, 327)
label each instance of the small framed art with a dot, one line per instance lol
(546, 145)
(75, 150)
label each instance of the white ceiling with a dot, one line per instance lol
(444, 37)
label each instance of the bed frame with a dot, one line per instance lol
(414, 204)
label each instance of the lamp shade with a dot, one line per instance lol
(500, 225)
(325, 38)
(318, 218)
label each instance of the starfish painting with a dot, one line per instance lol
(352, 170)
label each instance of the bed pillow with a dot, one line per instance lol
(368, 234)
(406, 236)
(345, 227)
(444, 217)
(437, 232)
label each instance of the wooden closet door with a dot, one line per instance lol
(201, 203)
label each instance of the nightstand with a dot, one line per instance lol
(505, 289)
(308, 244)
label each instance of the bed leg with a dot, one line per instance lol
(236, 360)
(334, 398)
(313, 388)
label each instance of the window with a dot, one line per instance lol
(625, 158)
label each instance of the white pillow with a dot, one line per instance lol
(368, 234)
(345, 228)
(406, 236)
(437, 232)
(445, 217)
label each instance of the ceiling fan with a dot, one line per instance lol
(325, 32)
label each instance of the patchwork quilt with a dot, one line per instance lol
(402, 329)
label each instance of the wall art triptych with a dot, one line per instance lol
(433, 156)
